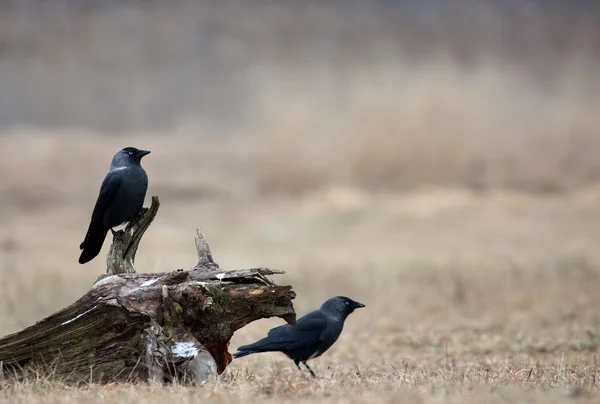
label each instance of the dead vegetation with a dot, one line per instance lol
(491, 297)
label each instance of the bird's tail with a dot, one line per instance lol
(92, 244)
(246, 350)
(240, 354)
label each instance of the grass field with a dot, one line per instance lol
(459, 200)
(471, 295)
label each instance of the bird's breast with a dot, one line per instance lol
(128, 198)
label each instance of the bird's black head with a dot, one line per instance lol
(341, 304)
(129, 156)
(135, 153)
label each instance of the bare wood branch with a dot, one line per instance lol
(121, 256)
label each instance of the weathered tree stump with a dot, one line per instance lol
(148, 327)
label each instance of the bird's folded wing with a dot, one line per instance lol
(306, 332)
(107, 191)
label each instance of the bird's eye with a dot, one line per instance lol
(347, 303)
(131, 153)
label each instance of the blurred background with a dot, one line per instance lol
(438, 161)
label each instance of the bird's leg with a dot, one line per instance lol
(297, 363)
(309, 369)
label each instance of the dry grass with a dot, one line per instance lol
(470, 296)
(382, 96)
(437, 124)
(454, 192)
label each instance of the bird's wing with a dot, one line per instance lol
(96, 232)
(107, 190)
(306, 332)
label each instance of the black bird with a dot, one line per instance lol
(121, 199)
(312, 335)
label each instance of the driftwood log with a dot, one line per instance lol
(148, 326)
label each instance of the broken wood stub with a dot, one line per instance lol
(121, 256)
(149, 326)
(205, 258)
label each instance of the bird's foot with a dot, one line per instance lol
(136, 216)
(118, 233)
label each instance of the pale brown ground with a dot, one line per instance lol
(470, 296)
(462, 206)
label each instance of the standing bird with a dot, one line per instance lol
(312, 335)
(121, 199)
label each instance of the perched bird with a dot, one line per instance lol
(312, 335)
(121, 199)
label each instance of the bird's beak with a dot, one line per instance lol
(358, 305)
(142, 153)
